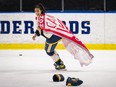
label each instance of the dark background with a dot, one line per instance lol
(80, 5)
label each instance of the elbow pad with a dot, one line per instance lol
(37, 32)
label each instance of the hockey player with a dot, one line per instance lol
(51, 40)
(57, 30)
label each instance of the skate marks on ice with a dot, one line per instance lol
(35, 69)
(38, 78)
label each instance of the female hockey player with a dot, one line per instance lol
(57, 30)
(51, 40)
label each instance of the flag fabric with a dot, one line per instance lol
(53, 25)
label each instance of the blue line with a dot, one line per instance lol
(67, 11)
(14, 12)
(80, 11)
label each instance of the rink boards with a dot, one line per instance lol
(96, 30)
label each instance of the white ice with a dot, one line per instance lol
(35, 69)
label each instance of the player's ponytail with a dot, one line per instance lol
(41, 7)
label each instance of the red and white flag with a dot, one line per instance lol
(53, 25)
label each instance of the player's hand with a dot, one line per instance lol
(34, 36)
(38, 28)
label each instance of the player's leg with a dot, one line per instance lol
(50, 50)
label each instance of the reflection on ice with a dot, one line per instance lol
(35, 69)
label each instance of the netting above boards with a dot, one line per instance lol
(28, 6)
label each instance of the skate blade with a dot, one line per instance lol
(62, 70)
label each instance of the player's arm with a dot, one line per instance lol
(37, 33)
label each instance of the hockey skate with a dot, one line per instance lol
(60, 67)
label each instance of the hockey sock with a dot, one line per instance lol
(56, 58)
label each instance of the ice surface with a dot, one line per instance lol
(35, 69)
